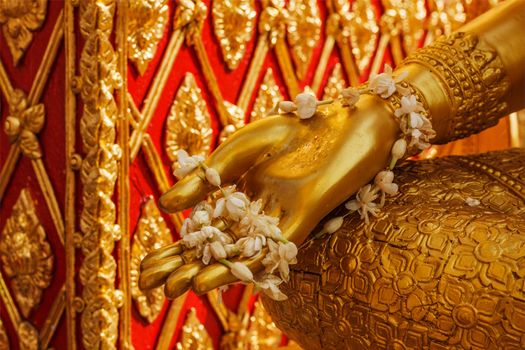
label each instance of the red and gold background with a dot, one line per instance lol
(96, 96)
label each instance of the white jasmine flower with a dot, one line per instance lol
(385, 84)
(333, 225)
(383, 181)
(186, 163)
(280, 256)
(254, 222)
(269, 286)
(250, 246)
(201, 217)
(233, 205)
(306, 105)
(213, 249)
(205, 234)
(473, 202)
(364, 202)
(418, 139)
(213, 177)
(218, 251)
(241, 271)
(411, 107)
(350, 96)
(287, 106)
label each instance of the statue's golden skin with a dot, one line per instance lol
(304, 169)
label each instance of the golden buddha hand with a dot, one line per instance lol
(300, 169)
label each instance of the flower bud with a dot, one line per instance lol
(241, 271)
(306, 105)
(287, 106)
(384, 177)
(217, 250)
(288, 251)
(398, 150)
(213, 177)
(350, 96)
(201, 217)
(333, 225)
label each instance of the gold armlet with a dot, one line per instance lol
(473, 78)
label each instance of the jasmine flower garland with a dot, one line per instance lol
(248, 231)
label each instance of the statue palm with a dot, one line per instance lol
(300, 169)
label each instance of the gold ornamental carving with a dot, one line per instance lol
(27, 336)
(98, 80)
(267, 97)
(263, 334)
(233, 23)
(23, 123)
(152, 233)
(363, 32)
(194, 335)
(304, 32)
(26, 255)
(189, 124)
(4, 339)
(335, 84)
(474, 78)
(146, 23)
(19, 19)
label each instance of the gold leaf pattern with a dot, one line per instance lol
(269, 94)
(99, 78)
(26, 255)
(23, 123)
(147, 20)
(4, 339)
(263, 334)
(194, 335)
(335, 84)
(189, 124)
(363, 32)
(19, 19)
(233, 22)
(152, 233)
(304, 32)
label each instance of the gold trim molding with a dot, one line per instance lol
(98, 80)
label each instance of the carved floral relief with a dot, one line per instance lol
(25, 253)
(152, 233)
(189, 125)
(146, 24)
(19, 19)
(234, 23)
